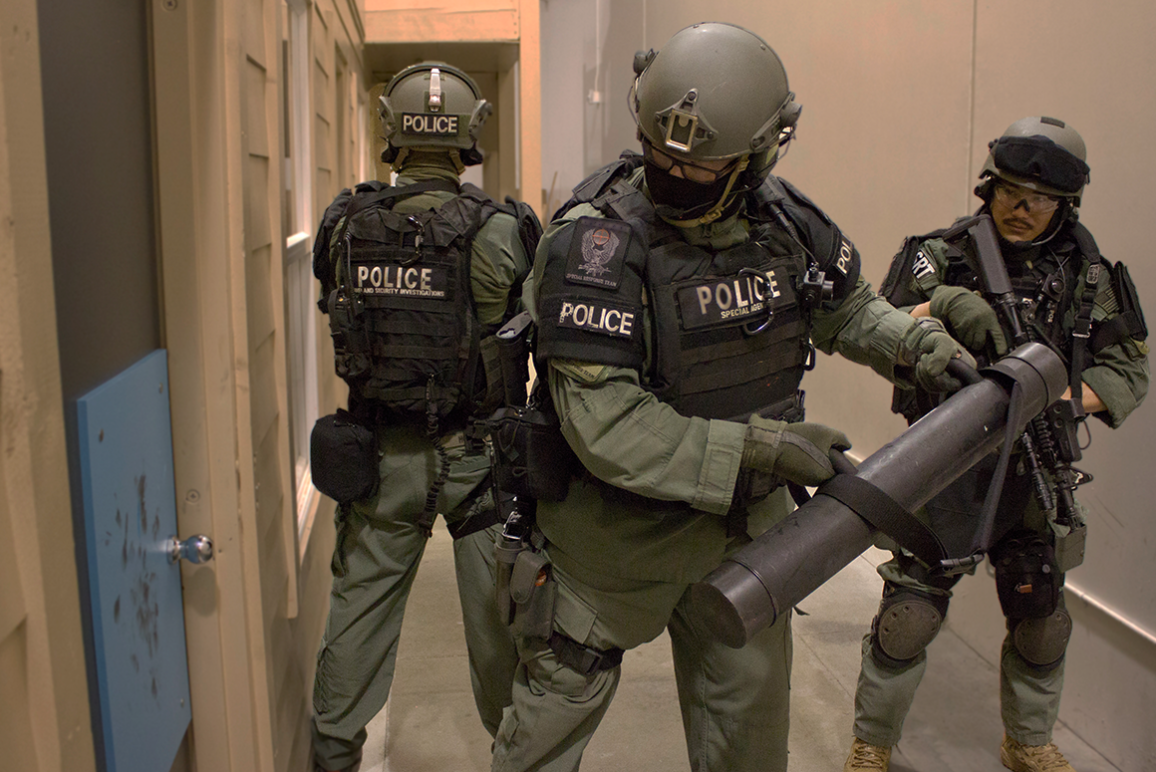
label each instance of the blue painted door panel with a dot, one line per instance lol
(126, 460)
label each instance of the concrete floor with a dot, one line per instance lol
(430, 724)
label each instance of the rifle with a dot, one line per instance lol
(1049, 442)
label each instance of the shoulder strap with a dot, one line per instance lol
(362, 201)
(597, 183)
(769, 198)
(1082, 329)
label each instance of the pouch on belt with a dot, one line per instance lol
(533, 591)
(343, 457)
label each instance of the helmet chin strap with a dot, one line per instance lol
(715, 211)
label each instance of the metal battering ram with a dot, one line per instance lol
(791, 560)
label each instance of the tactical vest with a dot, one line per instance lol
(403, 319)
(729, 335)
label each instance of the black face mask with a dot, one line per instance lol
(677, 198)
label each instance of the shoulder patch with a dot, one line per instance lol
(597, 252)
(922, 266)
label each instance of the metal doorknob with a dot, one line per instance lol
(195, 549)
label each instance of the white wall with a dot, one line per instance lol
(900, 99)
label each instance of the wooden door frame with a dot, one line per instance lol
(200, 201)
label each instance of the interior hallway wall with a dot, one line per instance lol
(900, 99)
(45, 724)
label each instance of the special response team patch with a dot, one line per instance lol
(597, 252)
(406, 281)
(745, 297)
(429, 124)
(922, 267)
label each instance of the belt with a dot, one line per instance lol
(473, 524)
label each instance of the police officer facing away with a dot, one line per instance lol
(680, 296)
(1031, 185)
(416, 279)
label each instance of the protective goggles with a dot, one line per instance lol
(1039, 158)
(1011, 196)
(690, 171)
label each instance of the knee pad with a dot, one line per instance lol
(908, 620)
(1042, 642)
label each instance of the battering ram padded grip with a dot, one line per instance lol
(792, 559)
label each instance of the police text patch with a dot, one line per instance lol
(597, 252)
(429, 124)
(744, 297)
(588, 316)
(846, 251)
(402, 280)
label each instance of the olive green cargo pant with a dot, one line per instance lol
(1029, 696)
(734, 701)
(375, 559)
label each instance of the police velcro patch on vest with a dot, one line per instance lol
(597, 252)
(384, 278)
(597, 316)
(751, 295)
(429, 124)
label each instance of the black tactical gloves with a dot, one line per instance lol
(795, 452)
(928, 348)
(971, 320)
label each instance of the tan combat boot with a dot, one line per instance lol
(1032, 758)
(865, 756)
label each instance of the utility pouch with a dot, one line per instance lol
(1129, 320)
(532, 460)
(492, 397)
(343, 457)
(1026, 576)
(1070, 547)
(1129, 300)
(533, 592)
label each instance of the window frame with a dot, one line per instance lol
(300, 308)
